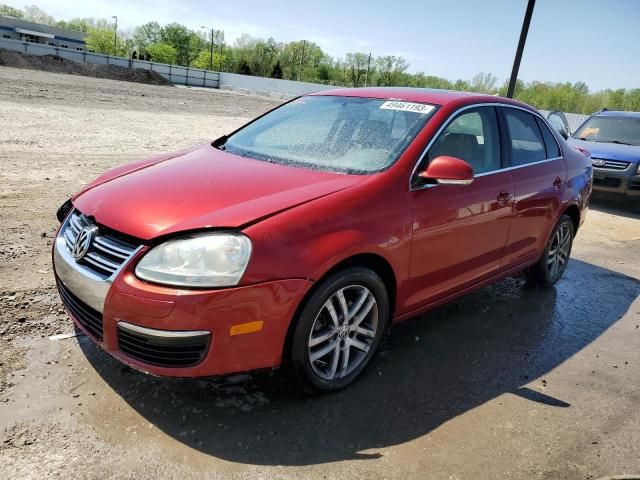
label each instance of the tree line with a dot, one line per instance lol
(304, 60)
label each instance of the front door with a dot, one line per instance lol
(459, 231)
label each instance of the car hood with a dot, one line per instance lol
(609, 151)
(201, 188)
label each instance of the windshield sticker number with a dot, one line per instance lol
(407, 107)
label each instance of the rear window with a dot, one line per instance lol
(527, 145)
(343, 134)
(609, 129)
(550, 142)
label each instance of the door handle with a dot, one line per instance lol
(503, 198)
(557, 183)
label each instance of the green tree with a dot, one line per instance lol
(484, 83)
(11, 11)
(324, 73)
(162, 53)
(461, 85)
(186, 42)
(244, 69)
(147, 34)
(203, 60)
(356, 67)
(100, 40)
(389, 67)
(276, 72)
(33, 13)
(300, 60)
(263, 57)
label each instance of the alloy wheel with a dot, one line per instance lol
(559, 249)
(343, 332)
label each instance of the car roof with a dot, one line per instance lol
(423, 95)
(616, 113)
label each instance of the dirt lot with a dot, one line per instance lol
(56, 64)
(505, 383)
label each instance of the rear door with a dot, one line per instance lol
(539, 175)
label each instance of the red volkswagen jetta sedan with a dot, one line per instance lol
(300, 237)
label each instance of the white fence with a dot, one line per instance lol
(179, 75)
(269, 86)
(574, 119)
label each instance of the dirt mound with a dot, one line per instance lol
(56, 64)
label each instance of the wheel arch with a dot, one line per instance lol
(372, 261)
(574, 213)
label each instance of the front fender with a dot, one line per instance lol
(309, 240)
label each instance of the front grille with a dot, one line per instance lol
(607, 182)
(163, 351)
(89, 318)
(107, 252)
(610, 164)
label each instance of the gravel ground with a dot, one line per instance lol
(504, 383)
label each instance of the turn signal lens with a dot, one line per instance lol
(243, 328)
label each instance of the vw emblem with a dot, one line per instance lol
(83, 242)
(343, 331)
(598, 162)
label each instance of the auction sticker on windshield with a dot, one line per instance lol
(407, 107)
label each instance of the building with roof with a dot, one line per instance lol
(17, 29)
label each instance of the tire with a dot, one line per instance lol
(329, 349)
(554, 260)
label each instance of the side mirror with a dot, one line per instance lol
(448, 171)
(563, 133)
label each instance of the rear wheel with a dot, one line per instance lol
(555, 257)
(339, 329)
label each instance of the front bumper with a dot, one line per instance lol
(179, 333)
(617, 182)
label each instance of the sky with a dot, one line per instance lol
(594, 41)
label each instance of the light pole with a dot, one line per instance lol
(366, 77)
(115, 36)
(304, 43)
(523, 38)
(211, 51)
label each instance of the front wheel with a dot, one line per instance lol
(339, 329)
(555, 257)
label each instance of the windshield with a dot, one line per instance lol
(624, 130)
(343, 134)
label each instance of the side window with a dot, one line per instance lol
(473, 137)
(527, 145)
(550, 142)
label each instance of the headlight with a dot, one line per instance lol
(207, 260)
(638, 171)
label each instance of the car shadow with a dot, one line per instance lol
(432, 369)
(615, 207)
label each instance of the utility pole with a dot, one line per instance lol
(520, 49)
(366, 76)
(211, 47)
(304, 42)
(115, 36)
(220, 59)
(211, 58)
